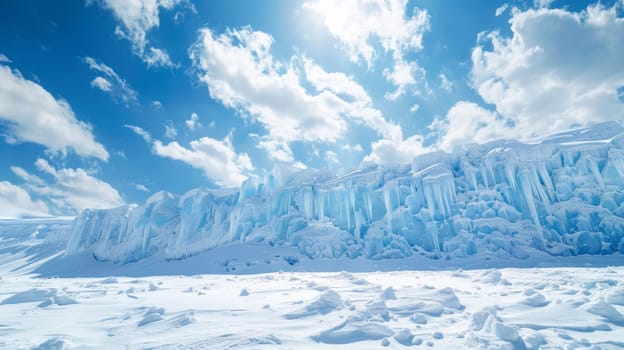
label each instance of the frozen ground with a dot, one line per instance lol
(210, 301)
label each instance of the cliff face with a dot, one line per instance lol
(563, 195)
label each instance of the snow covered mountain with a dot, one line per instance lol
(563, 195)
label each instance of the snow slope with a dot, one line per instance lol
(563, 195)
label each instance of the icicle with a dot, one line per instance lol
(369, 206)
(388, 204)
(347, 208)
(596, 172)
(359, 219)
(484, 175)
(511, 176)
(526, 187)
(321, 204)
(490, 170)
(545, 177)
(307, 202)
(616, 157)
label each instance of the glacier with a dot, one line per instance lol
(561, 195)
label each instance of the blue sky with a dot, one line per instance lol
(104, 102)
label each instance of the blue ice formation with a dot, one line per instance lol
(563, 195)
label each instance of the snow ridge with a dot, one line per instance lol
(563, 195)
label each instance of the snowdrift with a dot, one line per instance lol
(563, 195)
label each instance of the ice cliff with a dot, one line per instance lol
(563, 195)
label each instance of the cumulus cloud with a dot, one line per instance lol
(467, 122)
(216, 158)
(445, 83)
(137, 18)
(241, 73)
(15, 203)
(75, 189)
(102, 84)
(170, 132)
(32, 114)
(331, 157)
(193, 122)
(67, 190)
(352, 148)
(540, 81)
(356, 23)
(113, 84)
(389, 152)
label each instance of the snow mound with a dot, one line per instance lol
(53, 343)
(601, 308)
(154, 314)
(563, 195)
(488, 326)
(31, 295)
(353, 330)
(325, 303)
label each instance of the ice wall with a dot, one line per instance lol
(562, 195)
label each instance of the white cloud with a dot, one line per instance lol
(102, 84)
(241, 73)
(331, 157)
(467, 122)
(142, 188)
(70, 191)
(139, 131)
(501, 9)
(26, 176)
(157, 58)
(216, 158)
(193, 122)
(15, 203)
(4, 59)
(170, 132)
(356, 22)
(75, 189)
(414, 108)
(156, 104)
(137, 18)
(445, 83)
(352, 148)
(34, 115)
(113, 84)
(542, 3)
(389, 152)
(541, 81)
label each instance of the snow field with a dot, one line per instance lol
(478, 309)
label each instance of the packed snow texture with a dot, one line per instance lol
(439, 309)
(237, 297)
(563, 195)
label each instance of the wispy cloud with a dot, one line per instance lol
(112, 83)
(137, 18)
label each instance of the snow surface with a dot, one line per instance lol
(563, 195)
(48, 301)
